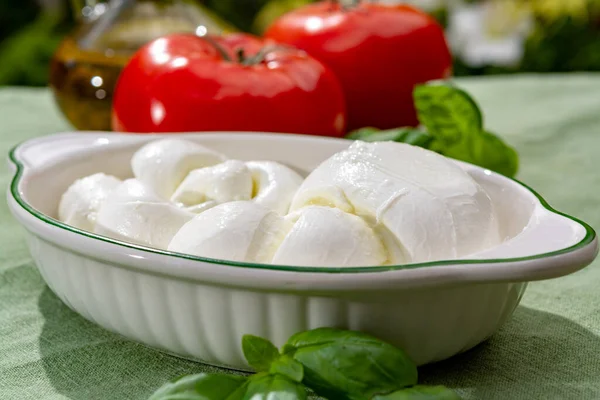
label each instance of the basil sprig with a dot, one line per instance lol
(349, 365)
(336, 364)
(452, 125)
(420, 392)
(260, 353)
(200, 387)
(265, 386)
(231, 387)
(263, 356)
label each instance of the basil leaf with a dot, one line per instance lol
(270, 387)
(288, 367)
(454, 121)
(259, 352)
(421, 392)
(362, 134)
(350, 365)
(448, 113)
(199, 387)
(413, 136)
(493, 153)
(219, 387)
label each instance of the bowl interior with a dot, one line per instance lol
(518, 208)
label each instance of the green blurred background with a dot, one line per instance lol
(486, 36)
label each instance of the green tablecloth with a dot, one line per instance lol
(549, 350)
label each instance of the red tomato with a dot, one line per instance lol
(184, 83)
(379, 52)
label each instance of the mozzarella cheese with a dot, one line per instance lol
(372, 204)
(424, 206)
(266, 183)
(133, 213)
(274, 185)
(79, 205)
(236, 231)
(163, 164)
(248, 232)
(328, 237)
(221, 183)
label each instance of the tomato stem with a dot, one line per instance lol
(345, 4)
(241, 55)
(257, 58)
(218, 47)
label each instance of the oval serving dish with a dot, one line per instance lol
(200, 308)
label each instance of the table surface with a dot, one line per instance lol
(550, 349)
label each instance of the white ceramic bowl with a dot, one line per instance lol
(200, 308)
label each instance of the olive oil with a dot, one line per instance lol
(83, 83)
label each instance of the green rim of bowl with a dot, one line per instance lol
(589, 238)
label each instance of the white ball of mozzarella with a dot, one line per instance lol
(313, 236)
(221, 183)
(236, 231)
(134, 213)
(329, 237)
(79, 205)
(163, 164)
(425, 206)
(275, 185)
(266, 183)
